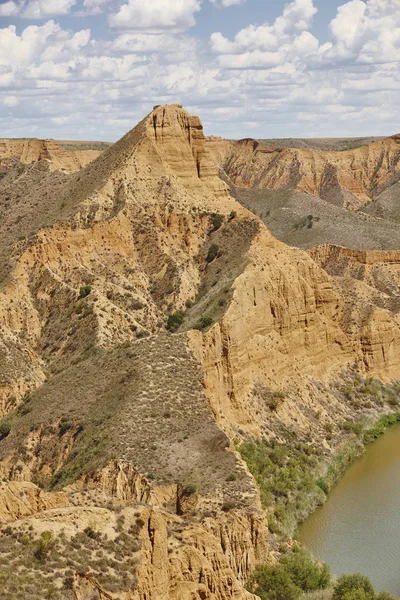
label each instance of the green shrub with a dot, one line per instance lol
(85, 291)
(216, 221)
(189, 487)
(232, 215)
(213, 252)
(297, 572)
(353, 587)
(305, 572)
(323, 485)
(372, 434)
(43, 545)
(5, 429)
(175, 321)
(203, 323)
(272, 583)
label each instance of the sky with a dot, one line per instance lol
(91, 69)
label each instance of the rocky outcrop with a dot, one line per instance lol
(29, 151)
(19, 499)
(348, 178)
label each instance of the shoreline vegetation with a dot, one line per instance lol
(294, 478)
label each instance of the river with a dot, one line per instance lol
(357, 530)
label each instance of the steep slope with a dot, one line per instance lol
(350, 178)
(304, 220)
(107, 407)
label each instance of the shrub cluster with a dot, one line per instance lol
(285, 476)
(175, 321)
(297, 572)
(306, 222)
(357, 587)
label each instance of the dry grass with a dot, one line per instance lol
(42, 565)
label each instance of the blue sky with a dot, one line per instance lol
(91, 69)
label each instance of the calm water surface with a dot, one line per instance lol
(358, 528)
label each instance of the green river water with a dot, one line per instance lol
(357, 530)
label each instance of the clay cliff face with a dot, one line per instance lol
(108, 410)
(349, 178)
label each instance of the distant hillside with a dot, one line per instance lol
(334, 144)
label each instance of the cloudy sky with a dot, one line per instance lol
(90, 69)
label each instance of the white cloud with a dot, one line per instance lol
(10, 101)
(273, 78)
(156, 15)
(36, 9)
(10, 9)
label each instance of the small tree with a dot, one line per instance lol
(353, 587)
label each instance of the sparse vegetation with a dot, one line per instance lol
(27, 561)
(307, 222)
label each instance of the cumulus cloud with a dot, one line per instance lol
(157, 14)
(273, 78)
(36, 9)
(267, 46)
(368, 32)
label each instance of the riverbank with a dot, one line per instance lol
(295, 478)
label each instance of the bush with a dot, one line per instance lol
(189, 487)
(85, 291)
(272, 583)
(5, 429)
(216, 221)
(296, 573)
(175, 321)
(203, 323)
(353, 587)
(213, 252)
(305, 572)
(43, 545)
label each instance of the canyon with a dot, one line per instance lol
(125, 427)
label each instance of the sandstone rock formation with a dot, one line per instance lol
(110, 411)
(348, 178)
(29, 151)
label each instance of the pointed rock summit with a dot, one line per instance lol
(166, 150)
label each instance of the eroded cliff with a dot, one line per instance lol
(348, 178)
(110, 411)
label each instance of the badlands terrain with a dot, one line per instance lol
(175, 312)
